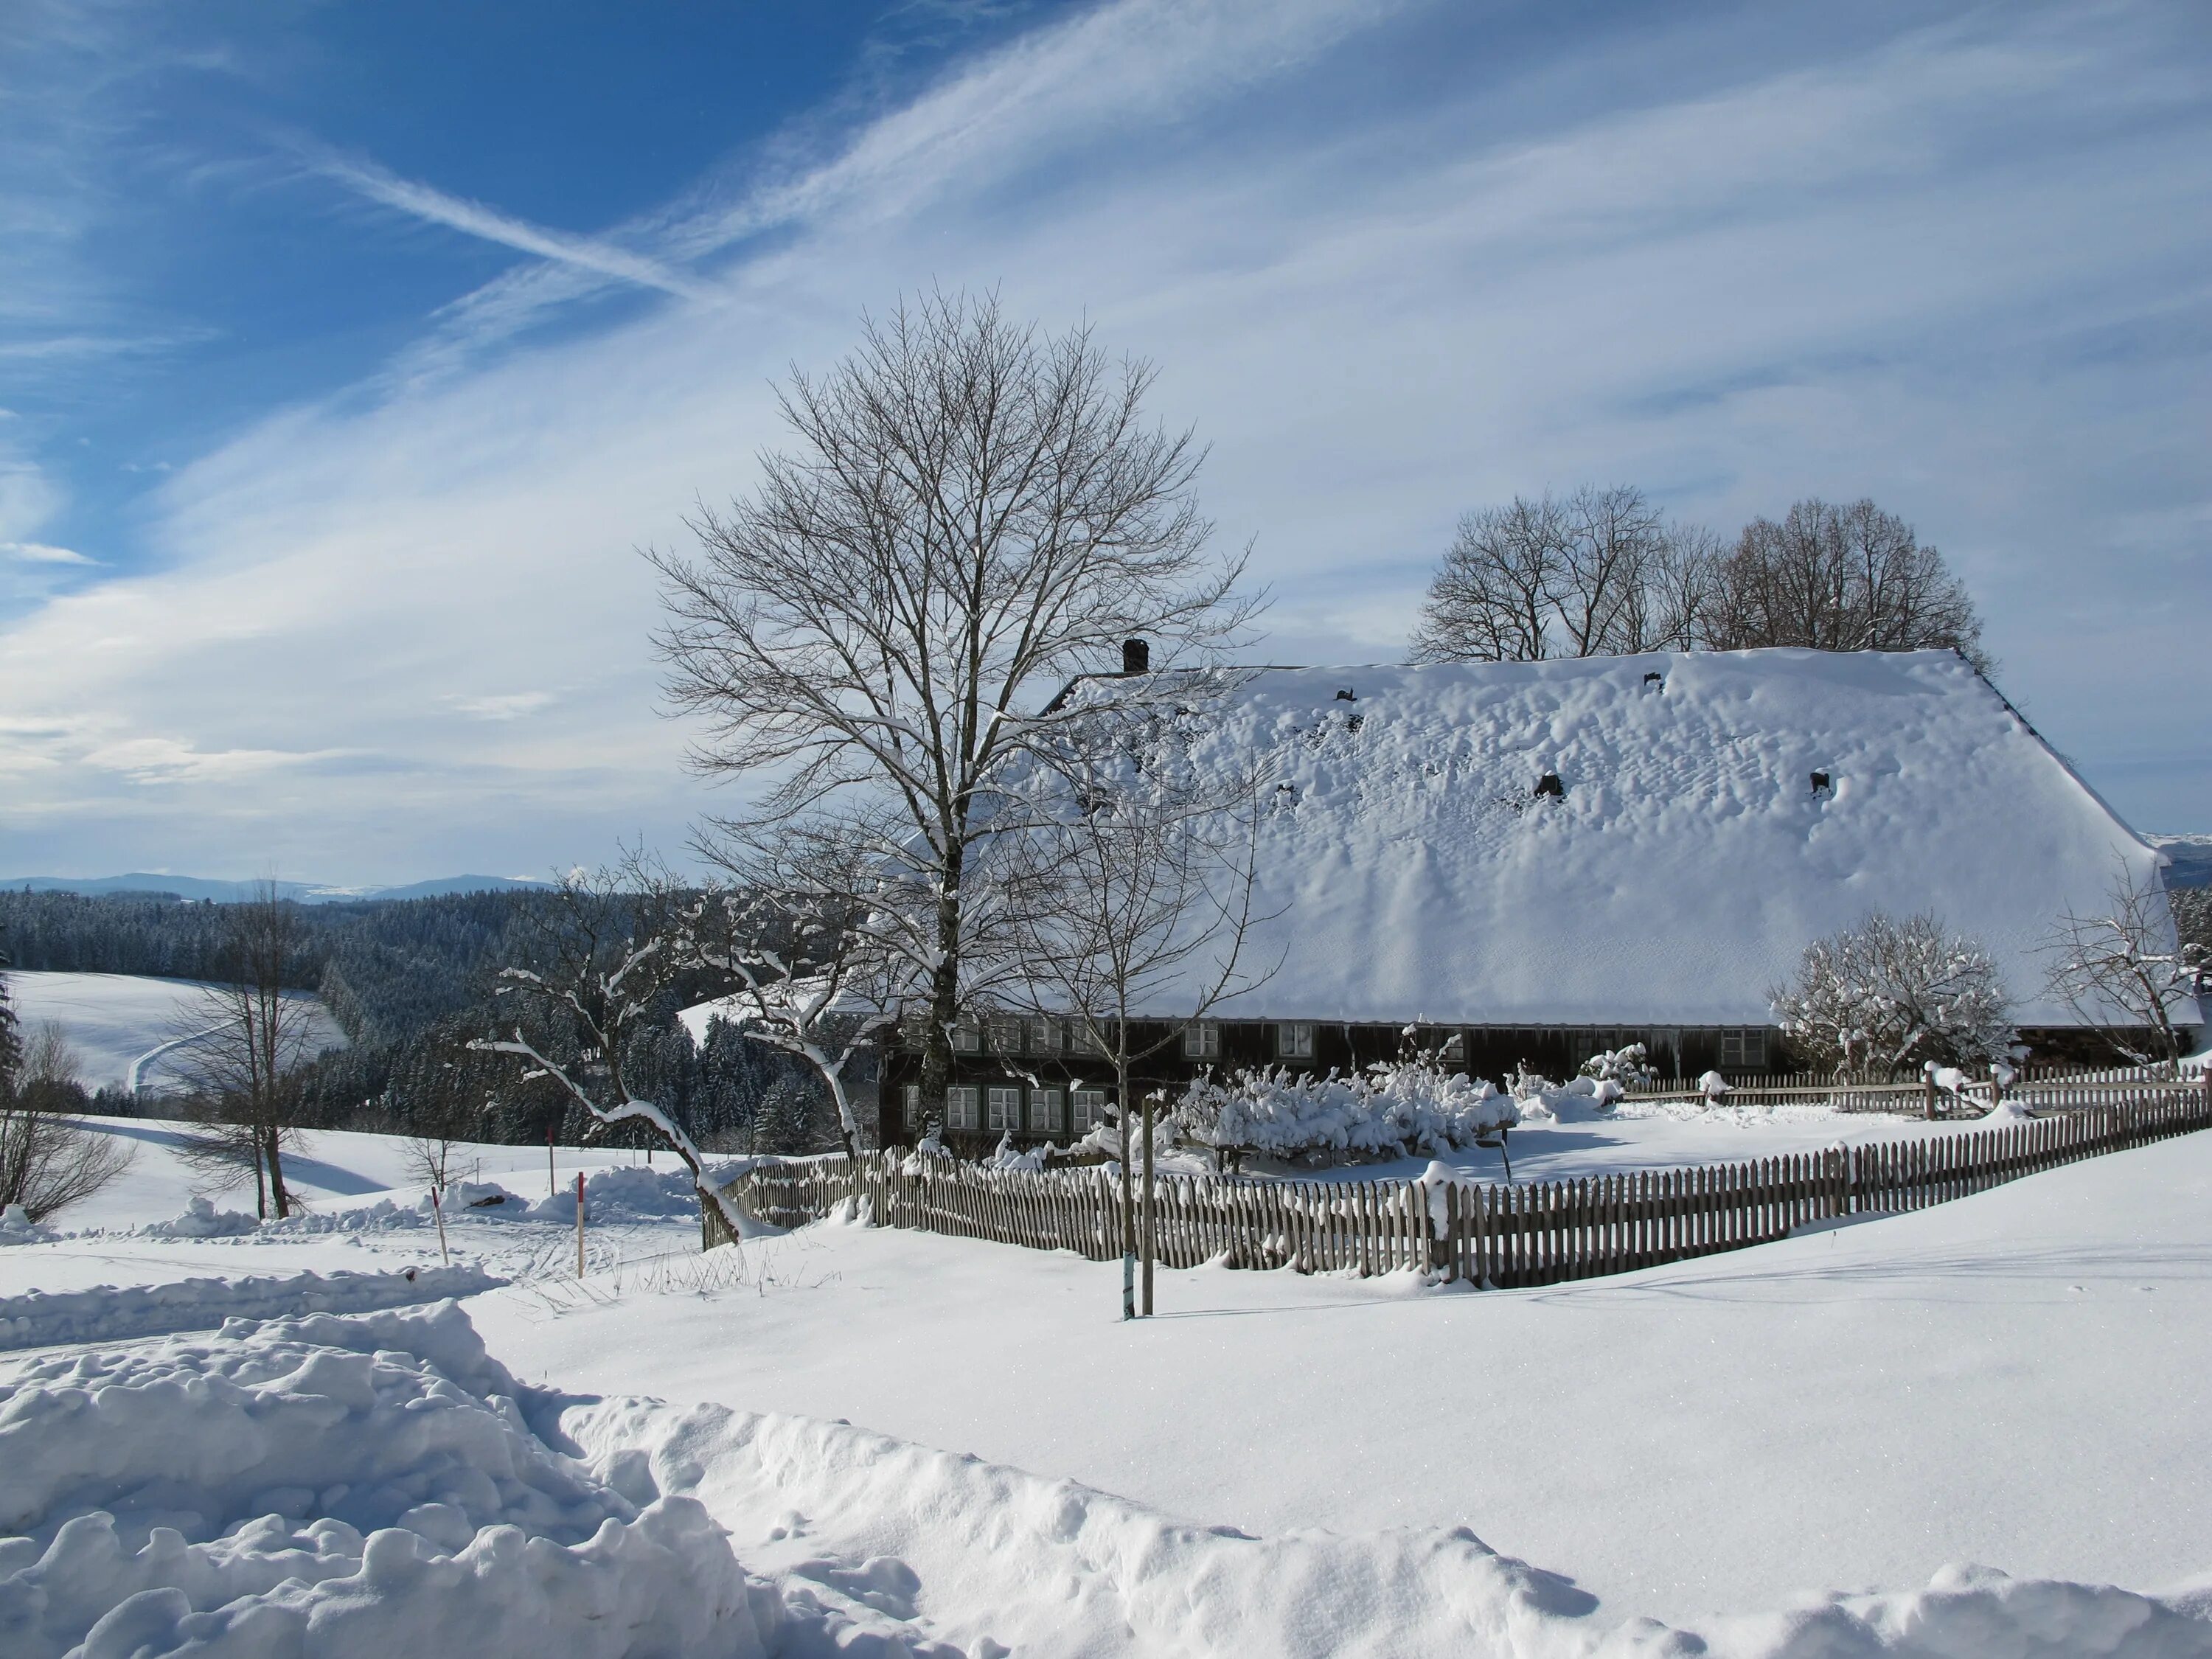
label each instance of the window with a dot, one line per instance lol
(1090, 1110)
(1294, 1040)
(1005, 1035)
(1743, 1050)
(1003, 1106)
(914, 1025)
(1202, 1040)
(910, 1096)
(1086, 1039)
(1044, 1110)
(966, 1040)
(1044, 1036)
(1452, 1047)
(960, 1106)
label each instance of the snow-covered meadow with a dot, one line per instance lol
(928, 1445)
(125, 1027)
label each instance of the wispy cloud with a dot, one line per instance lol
(434, 206)
(1958, 269)
(44, 553)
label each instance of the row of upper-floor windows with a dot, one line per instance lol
(1743, 1048)
(1000, 1107)
(1010, 1034)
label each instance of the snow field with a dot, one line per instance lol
(2015, 1378)
(114, 1020)
(357, 1486)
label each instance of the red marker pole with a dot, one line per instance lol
(580, 1223)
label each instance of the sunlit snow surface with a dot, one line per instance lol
(1411, 872)
(1737, 1446)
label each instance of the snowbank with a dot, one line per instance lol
(341, 1486)
(1391, 1109)
(17, 1227)
(201, 1219)
(109, 1314)
(1022, 1561)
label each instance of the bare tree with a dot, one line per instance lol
(1596, 573)
(814, 962)
(1888, 995)
(244, 1040)
(2126, 973)
(1834, 578)
(971, 512)
(1130, 884)
(608, 945)
(48, 1159)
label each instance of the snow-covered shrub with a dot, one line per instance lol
(1393, 1107)
(1715, 1087)
(1630, 1067)
(1888, 993)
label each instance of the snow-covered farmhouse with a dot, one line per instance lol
(1535, 861)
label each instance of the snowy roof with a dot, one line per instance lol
(1689, 858)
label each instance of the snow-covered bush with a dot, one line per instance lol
(1393, 1107)
(1888, 993)
(17, 1227)
(1630, 1067)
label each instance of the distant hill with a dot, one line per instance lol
(2192, 856)
(228, 892)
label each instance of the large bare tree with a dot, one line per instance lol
(1598, 572)
(970, 511)
(1130, 881)
(2126, 973)
(244, 1038)
(1840, 578)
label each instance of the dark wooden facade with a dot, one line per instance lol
(1027, 1074)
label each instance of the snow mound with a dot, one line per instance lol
(17, 1227)
(107, 1313)
(381, 1217)
(201, 1219)
(339, 1486)
(1018, 1560)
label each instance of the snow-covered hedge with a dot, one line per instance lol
(1393, 1107)
(108, 1313)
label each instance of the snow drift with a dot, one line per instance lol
(108, 1313)
(364, 1486)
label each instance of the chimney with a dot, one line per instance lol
(1136, 657)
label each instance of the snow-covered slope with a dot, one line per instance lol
(1690, 858)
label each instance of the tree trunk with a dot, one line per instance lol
(271, 1136)
(261, 1181)
(1149, 1250)
(1128, 1198)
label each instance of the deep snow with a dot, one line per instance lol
(1410, 873)
(2019, 1378)
(1278, 1464)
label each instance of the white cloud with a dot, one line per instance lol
(434, 206)
(42, 553)
(1915, 272)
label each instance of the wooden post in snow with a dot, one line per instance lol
(552, 1186)
(580, 1223)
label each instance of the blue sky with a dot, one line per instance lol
(349, 352)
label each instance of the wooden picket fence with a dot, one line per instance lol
(2055, 1092)
(1500, 1235)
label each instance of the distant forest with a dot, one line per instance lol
(411, 981)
